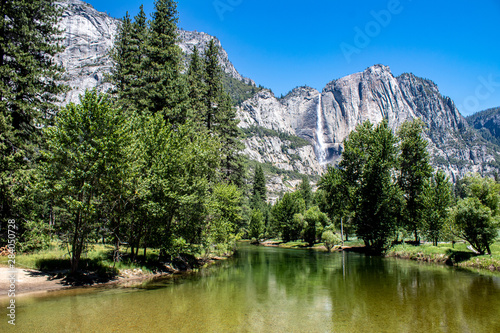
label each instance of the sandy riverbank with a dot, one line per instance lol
(30, 281)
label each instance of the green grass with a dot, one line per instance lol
(98, 259)
(457, 255)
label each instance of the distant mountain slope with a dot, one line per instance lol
(487, 123)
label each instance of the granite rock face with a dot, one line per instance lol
(374, 94)
(89, 35)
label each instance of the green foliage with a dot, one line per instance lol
(239, 91)
(164, 89)
(314, 223)
(474, 223)
(283, 215)
(368, 164)
(82, 161)
(197, 87)
(476, 217)
(436, 201)
(259, 188)
(487, 190)
(415, 170)
(224, 215)
(129, 56)
(306, 192)
(29, 84)
(256, 225)
(330, 239)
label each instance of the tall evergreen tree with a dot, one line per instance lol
(415, 170)
(29, 38)
(164, 89)
(197, 87)
(124, 56)
(220, 118)
(259, 190)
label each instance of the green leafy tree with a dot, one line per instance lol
(336, 201)
(487, 190)
(437, 199)
(178, 164)
(84, 155)
(330, 239)
(224, 216)
(475, 218)
(315, 222)
(283, 215)
(474, 223)
(368, 165)
(256, 225)
(415, 170)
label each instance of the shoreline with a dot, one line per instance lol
(481, 263)
(31, 282)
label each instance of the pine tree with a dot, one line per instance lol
(214, 91)
(140, 35)
(259, 188)
(164, 89)
(197, 87)
(124, 56)
(29, 38)
(220, 118)
(305, 191)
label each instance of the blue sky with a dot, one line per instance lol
(284, 44)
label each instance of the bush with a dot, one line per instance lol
(330, 239)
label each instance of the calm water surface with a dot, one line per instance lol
(278, 290)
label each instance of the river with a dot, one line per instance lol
(263, 289)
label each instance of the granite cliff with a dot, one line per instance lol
(326, 118)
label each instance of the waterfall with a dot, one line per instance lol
(320, 140)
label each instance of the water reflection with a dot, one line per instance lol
(278, 290)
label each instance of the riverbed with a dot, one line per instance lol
(266, 289)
